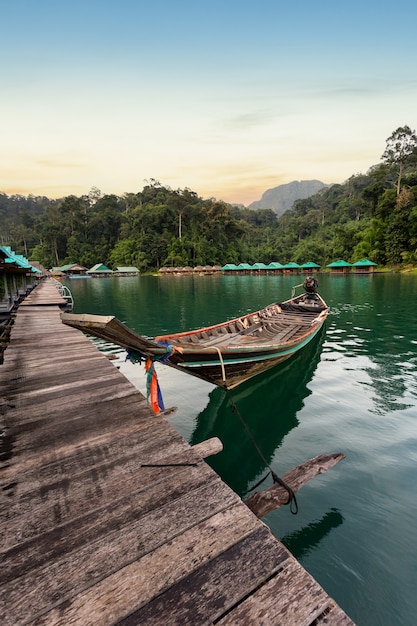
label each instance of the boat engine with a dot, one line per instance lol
(310, 287)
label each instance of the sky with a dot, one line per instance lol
(225, 98)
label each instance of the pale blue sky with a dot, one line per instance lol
(226, 98)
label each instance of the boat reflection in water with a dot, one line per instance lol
(301, 542)
(268, 405)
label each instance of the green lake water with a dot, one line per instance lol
(352, 390)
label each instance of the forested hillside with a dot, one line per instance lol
(372, 215)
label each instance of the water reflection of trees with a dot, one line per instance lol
(268, 404)
(375, 318)
(302, 541)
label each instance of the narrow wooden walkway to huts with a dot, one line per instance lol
(108, 516)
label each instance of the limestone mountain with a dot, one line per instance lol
(281, 198)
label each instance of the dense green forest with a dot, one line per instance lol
(370, 215)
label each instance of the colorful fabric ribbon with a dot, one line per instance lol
(153, 390)
(152, 386)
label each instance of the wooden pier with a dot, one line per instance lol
(108, 516)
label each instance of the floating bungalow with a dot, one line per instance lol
(230, 267)
(207, 269)
(340, 267)
(126, 271)
(99, 269)
(72, 269)
(291, 268)
(364, 266)
(260, 267)
(275, 267)
(170, 270)
(310, 268)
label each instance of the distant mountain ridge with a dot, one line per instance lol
(281, 198)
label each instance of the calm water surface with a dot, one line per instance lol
(354, 390)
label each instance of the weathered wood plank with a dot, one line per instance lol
(35, 359)
(35, 591)
(157, 571)
(48, 292)
(56, 407)
(111, 516)
(335, 617)
(54, 387)
(204, 595)
(68, 496)
(109, 447)
(269, 604)
(117, 416)
(40, 435)
(87, 365)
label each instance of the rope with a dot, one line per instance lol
(221, 363)
(292, 500)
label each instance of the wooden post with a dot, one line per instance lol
(263, 502)
(209, 447)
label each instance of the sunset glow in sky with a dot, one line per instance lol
(226, 98)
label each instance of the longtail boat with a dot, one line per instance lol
(226, 354)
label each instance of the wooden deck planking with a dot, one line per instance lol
(48, 295)
(211, 588)
(126, 536)
(91, 535)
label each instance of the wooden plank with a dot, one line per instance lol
(200, 597)
(102, 554)
(266, 500)
(62, 398)
(84, 374)
(46, 293)
(70, 496)
(38, 436)
(113, 598)
(131, 415)
(308, 600)
(108, 447)
(104, 519)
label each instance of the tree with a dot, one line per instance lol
(123, 253)
(401, 148)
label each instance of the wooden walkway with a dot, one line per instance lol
(109, 517)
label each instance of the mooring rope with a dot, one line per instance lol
(292, 500)
(221, 363)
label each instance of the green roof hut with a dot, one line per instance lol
(340, 267)
(310, 267)
(129, 270)
(72, 269)
(291, 268)
(17, 278)
(364, 266)
(275, 267)
(260, 267)
(99, 269)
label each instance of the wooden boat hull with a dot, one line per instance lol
(230, 369)
(226, 354)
